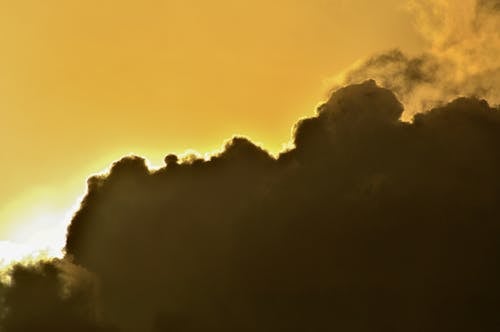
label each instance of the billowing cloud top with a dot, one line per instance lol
(368, 224)
(462, 57)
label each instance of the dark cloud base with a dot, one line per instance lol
(368, 224)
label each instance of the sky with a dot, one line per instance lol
(86, 82)
(346, 174)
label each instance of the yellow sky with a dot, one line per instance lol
(83, 82)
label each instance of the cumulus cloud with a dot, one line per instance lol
(369, 223)
(461, 60)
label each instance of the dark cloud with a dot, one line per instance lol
(367, 224)
(49, 296)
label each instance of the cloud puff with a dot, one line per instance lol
(52, 295)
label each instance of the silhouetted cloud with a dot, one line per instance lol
(368, 224)
(53, 295)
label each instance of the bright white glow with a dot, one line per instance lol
(11, 252)
(37, 233)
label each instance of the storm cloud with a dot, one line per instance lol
(368, 223)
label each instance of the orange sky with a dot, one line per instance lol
(84, 82)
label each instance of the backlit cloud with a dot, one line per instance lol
(369, 223)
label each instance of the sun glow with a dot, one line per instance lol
(48, 241)
(39, 233)
(11, 252)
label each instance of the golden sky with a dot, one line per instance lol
(85, 82)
